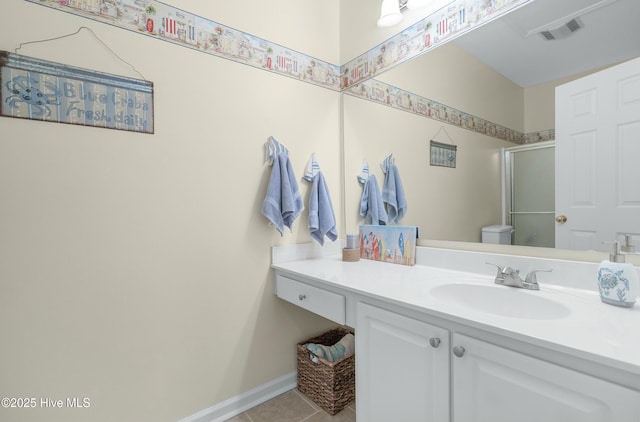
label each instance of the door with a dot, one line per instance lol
(597, 156)
(529, 174)
(494, 384)
(402, 368)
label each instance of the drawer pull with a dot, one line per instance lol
(302, 296)
(434, 342)
(458, 351)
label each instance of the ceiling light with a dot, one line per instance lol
(389, 13)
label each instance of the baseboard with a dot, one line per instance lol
(235, 405)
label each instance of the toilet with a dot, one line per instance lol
(498, 234)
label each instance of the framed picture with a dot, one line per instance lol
(443, 155)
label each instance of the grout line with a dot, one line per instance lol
(308, 417)
(307, 401)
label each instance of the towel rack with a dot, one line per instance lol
(273, 148)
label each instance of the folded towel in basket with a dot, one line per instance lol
(343, 348)
(283, 202)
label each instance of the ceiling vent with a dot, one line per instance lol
(562, 31)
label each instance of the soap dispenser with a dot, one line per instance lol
(618, 280)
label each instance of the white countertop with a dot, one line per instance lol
(591, 330)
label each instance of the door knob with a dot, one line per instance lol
(561, 219)
(302, 296)
(434, 342)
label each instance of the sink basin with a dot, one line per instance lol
(501, 300)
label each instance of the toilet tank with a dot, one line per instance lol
(497, 234)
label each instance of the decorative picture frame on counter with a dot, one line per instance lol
(392, 244)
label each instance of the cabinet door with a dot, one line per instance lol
(402, 368)
(493, 384)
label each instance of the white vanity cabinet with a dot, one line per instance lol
(317, 300)
(420, 360)
(408, 370)
(495, 384)
(402, 368)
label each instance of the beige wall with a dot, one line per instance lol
(134, 269)
(539, 103)
(448, 204)
(452, 76)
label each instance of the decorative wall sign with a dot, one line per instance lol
(36, 89)
(443, 155)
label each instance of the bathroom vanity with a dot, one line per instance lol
(440, 341)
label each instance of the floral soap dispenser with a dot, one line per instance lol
(618, 280)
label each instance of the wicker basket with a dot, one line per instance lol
(331, 385)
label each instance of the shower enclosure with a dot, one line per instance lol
(529, 196)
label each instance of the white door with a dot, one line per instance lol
(493, 384)
(402, 368)
(598, 158)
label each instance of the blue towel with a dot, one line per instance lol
(371, 206)
(283, 203)
(322, 220)
(393, 197)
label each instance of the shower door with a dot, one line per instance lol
(530, 194)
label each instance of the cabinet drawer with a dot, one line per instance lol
(322, 302)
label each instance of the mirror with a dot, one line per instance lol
(466, 91)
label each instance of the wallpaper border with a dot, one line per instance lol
(399, 99)
(168, 23)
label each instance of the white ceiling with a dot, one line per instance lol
(610, 34)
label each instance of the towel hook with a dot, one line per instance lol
(387, 163)
(273, 148)
(312, 168)
(364, 172)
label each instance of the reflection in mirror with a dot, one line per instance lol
(530, 196)
(452, 88)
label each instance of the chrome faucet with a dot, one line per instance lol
(508, 276)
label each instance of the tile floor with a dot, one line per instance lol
(293, 406)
